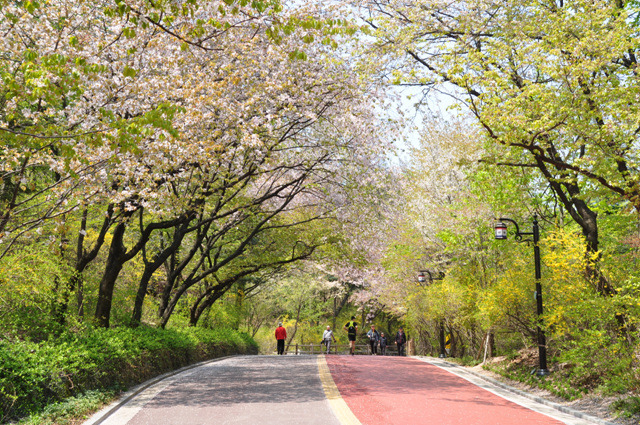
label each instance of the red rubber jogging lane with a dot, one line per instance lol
(400, 390)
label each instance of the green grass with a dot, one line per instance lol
(627, 407)
(73, 409)
(36, 377)
(556, 383)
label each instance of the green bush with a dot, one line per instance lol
(36, 374)
(69, 410)
(599, 360)
(627, 407)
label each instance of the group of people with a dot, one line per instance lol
(378, 339)
(375, 338)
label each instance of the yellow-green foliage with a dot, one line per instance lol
(445, 302)
(509, 297)
(32, 282)
(565, 284)
(439, 300)
(35, 374)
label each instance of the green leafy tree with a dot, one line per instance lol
(553, 83)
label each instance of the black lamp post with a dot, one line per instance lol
(423, 276)
(501, 233)
(426, 276)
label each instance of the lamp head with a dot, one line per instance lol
(500, 230)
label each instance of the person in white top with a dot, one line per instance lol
(327, 336)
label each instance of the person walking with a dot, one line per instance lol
(327, 336)
(352, 330)
(374, 338)
(281, 335)
(401, 340)
(383, 344)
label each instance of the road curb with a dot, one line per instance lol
(104, 413)
(439, 362)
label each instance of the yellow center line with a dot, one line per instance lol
(337, 403)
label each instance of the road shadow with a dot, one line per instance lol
(247, 379)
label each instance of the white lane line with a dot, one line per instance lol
(516, 396)
(152, 386)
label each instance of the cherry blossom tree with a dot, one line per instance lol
(178, 120)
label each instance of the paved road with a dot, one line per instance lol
(336, 390)
(401, 390)
(249, 390)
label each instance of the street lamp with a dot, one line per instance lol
(423, 275)
(426, 276)
(500, 229)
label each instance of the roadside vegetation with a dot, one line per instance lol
(58, 376)
(175, 179)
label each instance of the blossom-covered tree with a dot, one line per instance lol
(174, 121)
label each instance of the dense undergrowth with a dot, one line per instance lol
(50, 377)
(602, 376)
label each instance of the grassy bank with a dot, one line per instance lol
(611, 378)
(92, 365)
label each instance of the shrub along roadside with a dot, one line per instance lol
(73, 410)
(34, 375)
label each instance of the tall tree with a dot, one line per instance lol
(552, 82)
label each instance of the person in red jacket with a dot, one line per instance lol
(281, 335)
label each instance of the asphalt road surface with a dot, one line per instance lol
(241, 390)
(332, 390)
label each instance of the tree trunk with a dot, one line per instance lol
(198, 308)
(335, 314)
(167, 311)
(150, 267)
(79, 284)
(590, 232)
(337, 308)
(295, 327)
(61, 302)
(174, 266)
(489, 346)
(240, 295)
(136, 315)
(115, 261)
(569, 195)
(84, 258)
